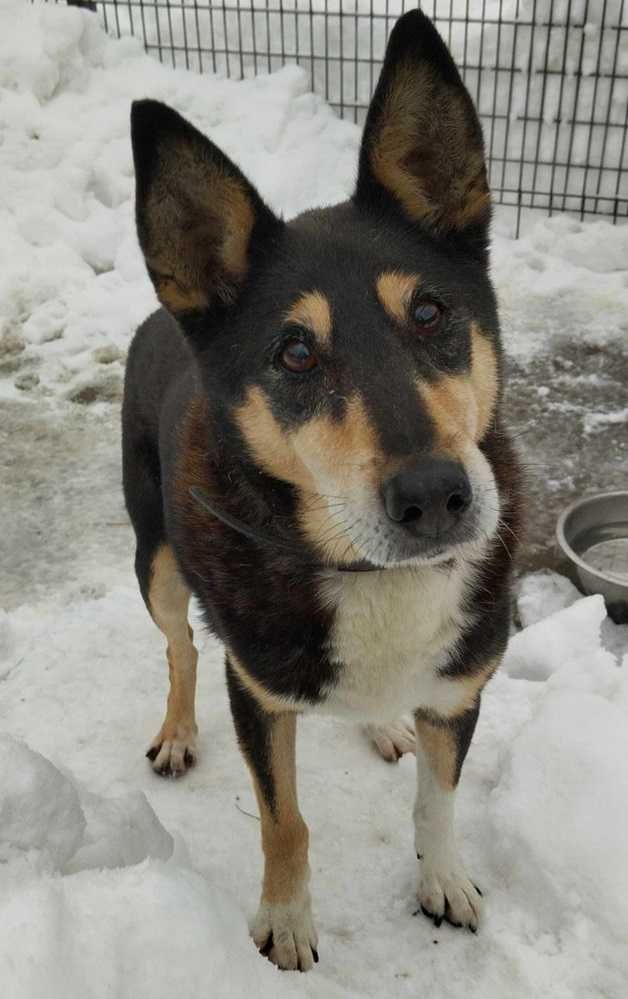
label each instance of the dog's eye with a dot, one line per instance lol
(297, 356)
(427, 316)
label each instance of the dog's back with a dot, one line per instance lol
(160, 375)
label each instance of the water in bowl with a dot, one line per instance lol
(605, 549)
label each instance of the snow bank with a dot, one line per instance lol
(568, 635)
(139, 885)
(72, 283)
(39, 807)
(542, 593)
(131, 932)
(94, 902)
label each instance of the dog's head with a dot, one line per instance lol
(353, 351)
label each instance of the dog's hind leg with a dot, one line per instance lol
(167, 597)
(283, 928)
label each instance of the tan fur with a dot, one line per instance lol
(267, 441)
(176, 296)
(395, 291)
(439, 745)
(196, 232)
(284, 833)
(468, 688)
(347, 449)
(425, 153)
(322, 458)
(312, 311)
(168, 599)
(484, 379)
(462, 406)
(438, 741)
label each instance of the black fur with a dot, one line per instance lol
(253, 727)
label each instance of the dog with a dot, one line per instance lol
(313, 446)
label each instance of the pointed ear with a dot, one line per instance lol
(198, 218)
(422, 148)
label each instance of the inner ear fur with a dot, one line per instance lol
(423, 145)
(197, 215)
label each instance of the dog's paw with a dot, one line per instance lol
(286, 934)
(449, 895)
(393, 739)
(173, 751)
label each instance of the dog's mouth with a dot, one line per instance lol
(384, 535)
(390, 546)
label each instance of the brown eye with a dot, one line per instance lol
(427, 316)
(297, 356)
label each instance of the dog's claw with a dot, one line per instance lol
(266, 948)
(151, 754)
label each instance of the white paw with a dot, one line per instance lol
(448, 894)
(286, 934)
(393, 739)
(173, 751)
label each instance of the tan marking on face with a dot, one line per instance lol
(484, 378)
(395, 291)
(168, 600)
(461, 406)
(312, 311)
(323, 458)
(425, 151)
(268, 442)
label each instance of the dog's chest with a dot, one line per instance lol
(392, 632)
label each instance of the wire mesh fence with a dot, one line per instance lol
(549, 77)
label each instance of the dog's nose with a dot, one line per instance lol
(429, 498)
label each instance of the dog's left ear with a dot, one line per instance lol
(199, 220)
(422, 150)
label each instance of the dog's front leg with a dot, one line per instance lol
(283, 928)
(445, 891)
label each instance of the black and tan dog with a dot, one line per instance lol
(313, 446)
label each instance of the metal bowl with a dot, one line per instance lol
(593, 535)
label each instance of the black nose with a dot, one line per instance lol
(429, 498)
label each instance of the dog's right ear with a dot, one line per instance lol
(198, 218)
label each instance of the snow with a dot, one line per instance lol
(568, 635)
(142, 883)
(540, 594)
(115, 882)
(72, 283)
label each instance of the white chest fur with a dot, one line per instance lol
(392, 632)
